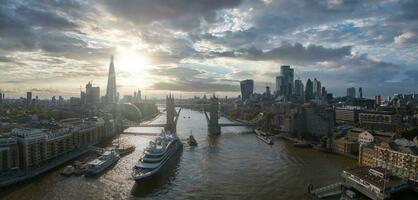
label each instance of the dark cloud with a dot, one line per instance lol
(290, 52)
(409, 10)
(412, 76)
(190, 80)
(182, 13)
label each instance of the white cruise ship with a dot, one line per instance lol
(156, 156)
(101, 163)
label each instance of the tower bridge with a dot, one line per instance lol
(210, 110)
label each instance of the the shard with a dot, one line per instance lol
(111, 84)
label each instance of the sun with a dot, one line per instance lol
(134, 66)
(131, 60)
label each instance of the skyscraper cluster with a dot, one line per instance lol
(284, 82)
(351, 92)
(291, 89)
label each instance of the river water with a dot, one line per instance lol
(234, 165)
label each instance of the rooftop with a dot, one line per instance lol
(365, 173)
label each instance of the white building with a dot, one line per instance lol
(365, 137)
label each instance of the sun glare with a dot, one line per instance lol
(131, 60)
(134, 66)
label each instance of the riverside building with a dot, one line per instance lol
(9, 154)
(401, 160)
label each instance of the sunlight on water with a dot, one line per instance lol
(233, 165)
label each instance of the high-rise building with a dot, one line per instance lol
(60, 100)
(83, 98)
(1, 98)
(317, 88)
(351, 92)
(92, 94)
(54, 100)
(324, 93)
(299, 90)
(360, 93)
(111, 94)
(377, 100)
(138, 95)
(309, 90)
(287, 74)
(247, 88)
(279, 84)
(28, 98)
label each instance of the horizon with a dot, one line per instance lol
(54, 47)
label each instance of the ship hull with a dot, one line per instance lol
(164, 166)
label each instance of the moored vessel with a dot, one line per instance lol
(101, 163)
(68, 170)
(156, 156)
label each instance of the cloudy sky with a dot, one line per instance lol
(52, 47)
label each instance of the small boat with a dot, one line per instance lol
(78, 168)
(191, 141)
(101, 163)
(68, 170)
(263, 137)
(125, 150)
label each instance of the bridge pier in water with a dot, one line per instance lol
(213, 119)
(171, 114)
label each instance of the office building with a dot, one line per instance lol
(377, 100)
(309, 90)
(317, 88)
(299, 91)
(346, 115)
(379, 120)
(287, 86)
(28, 98)
(279, 84)
(111, 93)
(360, 93)
(351, 92)
(92, 94)
(247, 89)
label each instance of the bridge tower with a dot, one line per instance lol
(171, 113)
(213, 123)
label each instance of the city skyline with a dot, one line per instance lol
(53, 47)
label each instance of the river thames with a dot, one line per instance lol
(234, 165)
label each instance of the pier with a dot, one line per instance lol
(326, 191)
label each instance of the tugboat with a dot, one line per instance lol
(191, 141)
(101, 163)
(262, 136)
(125, 150)
(156, 156)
